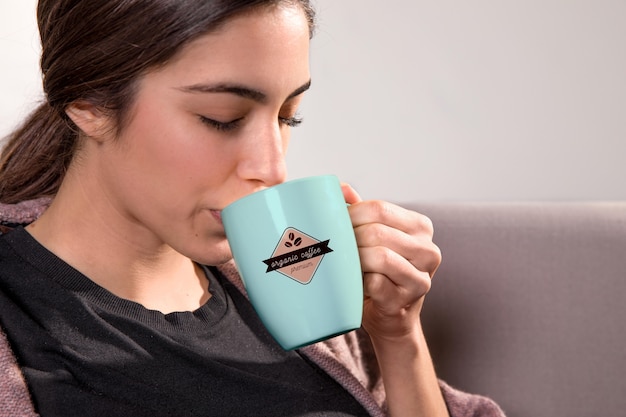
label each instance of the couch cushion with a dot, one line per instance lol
(528, 305)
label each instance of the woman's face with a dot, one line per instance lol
(209, 127)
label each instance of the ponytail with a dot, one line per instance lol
(36, 156)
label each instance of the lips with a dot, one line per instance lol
(217, 214)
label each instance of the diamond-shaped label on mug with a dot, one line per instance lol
(297, 255)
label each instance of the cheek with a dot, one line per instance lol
(173, 150)
(158, 138)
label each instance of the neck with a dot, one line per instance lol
(122, 257)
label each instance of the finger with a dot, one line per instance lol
(382, 293)
(377, 211)
(350, 194)
(386, 297)
(419, 250)
(404, 283)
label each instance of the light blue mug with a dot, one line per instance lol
(295, 249)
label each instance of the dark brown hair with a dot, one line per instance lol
(96, 50)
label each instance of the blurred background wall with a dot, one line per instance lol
(441, 100)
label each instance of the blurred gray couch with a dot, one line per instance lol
(528, 306)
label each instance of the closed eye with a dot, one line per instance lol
(221, 126)
(293, 121)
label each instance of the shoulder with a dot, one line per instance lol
(22, 213)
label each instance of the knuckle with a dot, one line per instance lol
(374, 234)
(428, 224)
(437, 258)
(424, 223)
(425, 286)
(434, 259)
(385, 256)
(382, 210)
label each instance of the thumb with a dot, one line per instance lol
(350, 194)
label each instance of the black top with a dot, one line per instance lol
(87, 352)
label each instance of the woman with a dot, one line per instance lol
(159, 114)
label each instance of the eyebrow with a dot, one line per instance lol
(240, 90)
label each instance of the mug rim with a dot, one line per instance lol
(278, 187)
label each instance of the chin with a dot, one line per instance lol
(216, 254)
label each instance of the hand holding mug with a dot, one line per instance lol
(398, 259)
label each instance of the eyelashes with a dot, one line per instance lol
(221, 126)
(293, 121)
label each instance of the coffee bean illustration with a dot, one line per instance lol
(293, 240)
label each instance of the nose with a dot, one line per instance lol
(263, 157)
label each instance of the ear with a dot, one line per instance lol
(89, 119)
